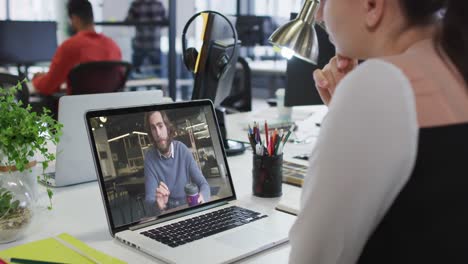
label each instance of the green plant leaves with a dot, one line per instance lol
(24, 133)
(6, 206)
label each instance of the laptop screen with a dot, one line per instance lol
(154, 161)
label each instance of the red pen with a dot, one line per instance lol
(266, 136)
(274, 140)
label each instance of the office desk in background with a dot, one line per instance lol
(268, 66)
(150, 82)
(273, 70)
(79, 211)
(301, 141)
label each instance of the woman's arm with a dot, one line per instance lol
(363, 157)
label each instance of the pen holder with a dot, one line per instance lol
(267, 175)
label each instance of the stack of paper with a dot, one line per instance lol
(290, 201)
(62, 249)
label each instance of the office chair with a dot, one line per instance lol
(99, 77)
(240, 99)
(9, 80)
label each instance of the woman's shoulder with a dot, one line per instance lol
(373, 84)
(375, 73)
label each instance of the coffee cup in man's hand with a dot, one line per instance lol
(192, 194)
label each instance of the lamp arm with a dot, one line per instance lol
(308, 11)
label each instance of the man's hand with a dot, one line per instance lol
(200, 199)
(39, 74)
(328, 78)
(162, 195)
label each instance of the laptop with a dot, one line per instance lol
(74, 162)
(220, 229)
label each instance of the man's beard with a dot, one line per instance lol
(164, 149)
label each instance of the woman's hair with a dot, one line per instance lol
(169, 126)
(453, 35)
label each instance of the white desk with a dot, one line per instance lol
(78, 210)
(275, 71)
(268, 67)
(157, 82)
(305, 118)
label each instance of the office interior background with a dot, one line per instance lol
(267, 67)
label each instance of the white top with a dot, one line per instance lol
(363, 157)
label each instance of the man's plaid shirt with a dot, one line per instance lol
(146, 37)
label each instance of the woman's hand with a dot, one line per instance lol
(328, 78)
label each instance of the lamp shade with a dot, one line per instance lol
(298, 37)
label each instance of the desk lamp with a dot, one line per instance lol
(298, 37)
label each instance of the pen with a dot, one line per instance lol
(266, 133)
(285, 139)
(259, 150)
(258, 131)
(31, 261)
(273, 141)
(252, 143)
(77, 250)
(277, 144)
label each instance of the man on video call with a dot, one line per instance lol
(169, 166)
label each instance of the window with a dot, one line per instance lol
(36, 10)
(3, 9)
(225, 7)
(276, 8)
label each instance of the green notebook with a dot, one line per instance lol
(52, 250)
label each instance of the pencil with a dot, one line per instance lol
(285, 139)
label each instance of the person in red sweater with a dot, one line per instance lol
(87, 45)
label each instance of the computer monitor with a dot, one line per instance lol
(210, 80)
(254, 30)
(27, 42)
(213, 74)
(300, 84)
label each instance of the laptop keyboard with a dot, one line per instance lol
(205, 225)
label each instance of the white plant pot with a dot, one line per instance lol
(29, 177)
(15, 222)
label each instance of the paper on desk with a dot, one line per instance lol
(50, 250)
(290, 200)
(271, 116)
(298, 114)
(308, 128)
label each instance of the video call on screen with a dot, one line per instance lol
(194, 169)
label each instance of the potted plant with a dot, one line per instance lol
(23, 135)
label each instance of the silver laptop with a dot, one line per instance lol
(170, 222)
(74, 162)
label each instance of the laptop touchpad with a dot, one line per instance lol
(247, 238)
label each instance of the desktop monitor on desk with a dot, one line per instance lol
(254, 30)
(300, 84)
(215, 68)
(216, 63)
(27, 42)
